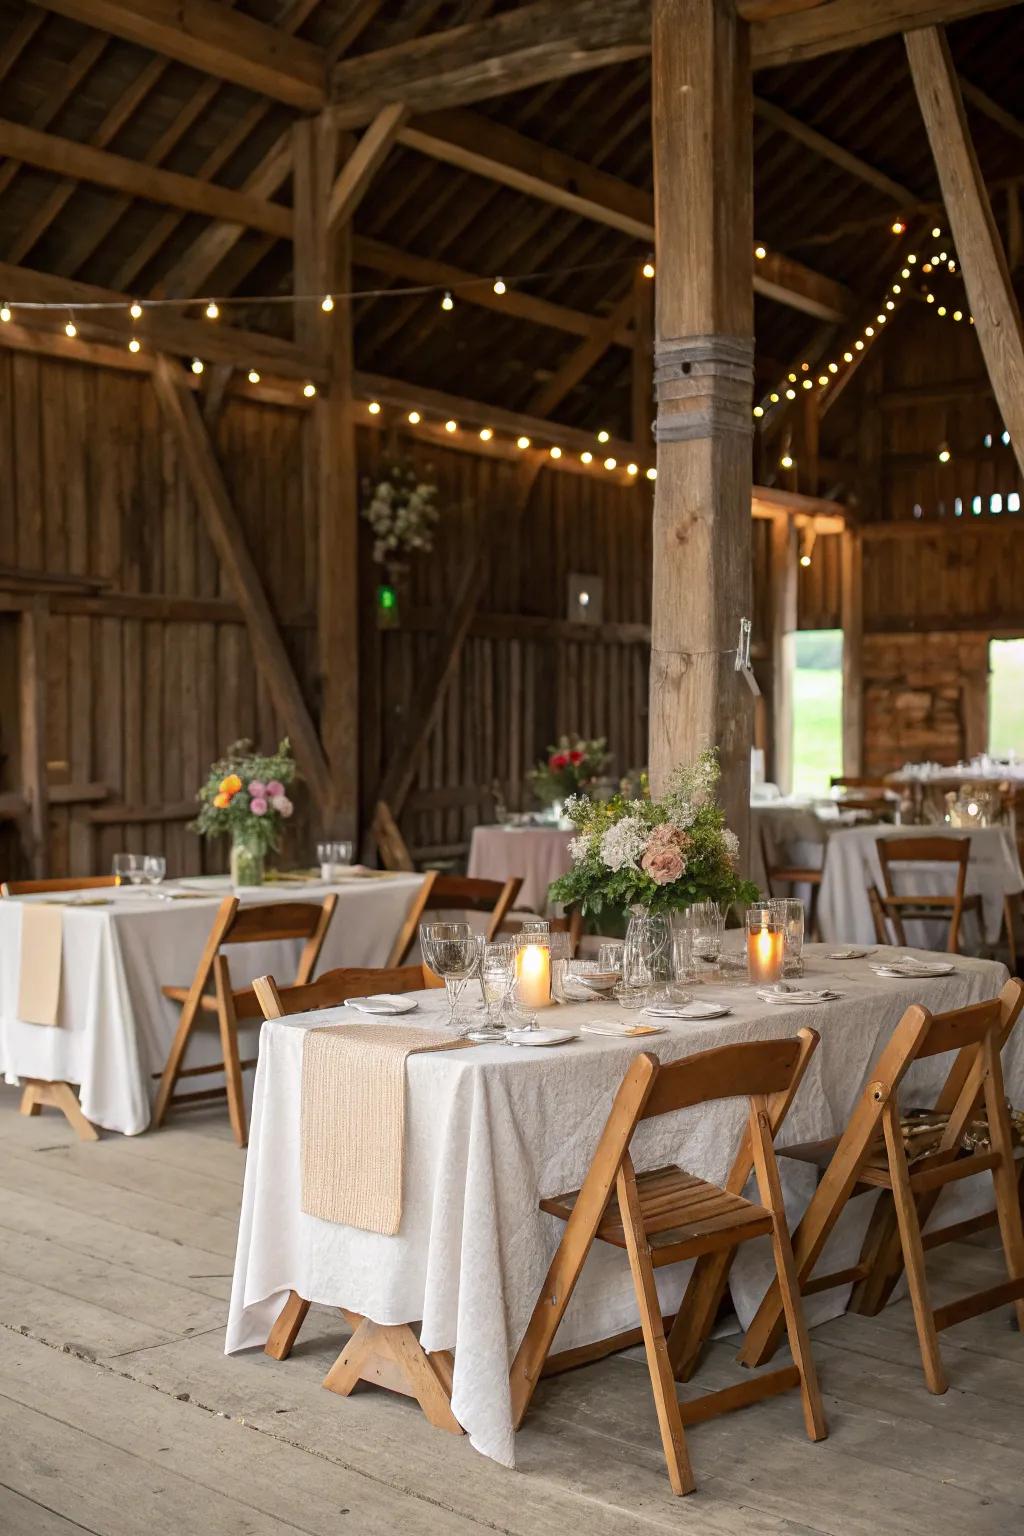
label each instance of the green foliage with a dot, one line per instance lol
(245, 796)
(662, 855)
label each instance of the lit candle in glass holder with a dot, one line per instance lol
(533, 976)
(766, 946)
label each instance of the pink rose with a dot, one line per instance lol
(257, 788)
(274, 788)
(663, 865)
(258, 805)
(282, 805)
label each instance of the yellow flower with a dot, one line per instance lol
(222, 802)
(231, 785)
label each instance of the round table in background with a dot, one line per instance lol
(537, 855)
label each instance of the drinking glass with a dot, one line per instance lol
(789, 912)
(129, 868)
(333, 858)
(707, 922)
(497, 978)
(609, 956)
(154, 868)
(560, 947)
(452, 951)
(682, 953)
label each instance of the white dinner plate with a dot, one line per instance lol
(799, 999)
(540, 1036)
(913, 972)
(383, 1002)
(694, 1010)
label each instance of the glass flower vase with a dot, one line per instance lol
(247, 858)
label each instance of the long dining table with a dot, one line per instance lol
(491, 1130)
(121, 945)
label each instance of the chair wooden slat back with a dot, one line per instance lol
(337, 986)
(870, 1154)
(455, 893)
(902, 905)
(669, 1214)
(211, 993)
(64, 883)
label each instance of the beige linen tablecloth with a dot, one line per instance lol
(537, 855)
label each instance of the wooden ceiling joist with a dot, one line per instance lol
(65, 157)
(206, 35)
(828, 149)
(363, 163)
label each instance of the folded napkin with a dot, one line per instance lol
(42, 940)
(619, 1028)
(382, 1002)
(825, 995)
(353, 1120)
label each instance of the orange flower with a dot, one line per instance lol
(231, 785)
(222, 802)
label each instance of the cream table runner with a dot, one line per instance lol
(353, 1120)
(42, 938)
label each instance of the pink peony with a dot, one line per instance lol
(258, 805)
(663, 865)
(257, 788)
(282, 805)
(273, 789)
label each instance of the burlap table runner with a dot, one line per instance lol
(42, 939)
(353, 1120)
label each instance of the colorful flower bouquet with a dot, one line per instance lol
(246, 798)
(570, 768)
(659, 855)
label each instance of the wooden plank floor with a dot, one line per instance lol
(120, 1414)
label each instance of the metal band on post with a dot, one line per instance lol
(703, 386)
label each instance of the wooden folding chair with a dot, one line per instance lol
(389, 1356)
(870, 1155)
(455, 893)
(39, 1092)
(211, 996)
(792, 875)
(900, 909)
(64, 883)
(667, 1215)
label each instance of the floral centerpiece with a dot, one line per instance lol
(570, 768)
(656, 856)
(246, 798)
(401, 508)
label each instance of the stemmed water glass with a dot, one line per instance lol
(452, 951)
(497, 979)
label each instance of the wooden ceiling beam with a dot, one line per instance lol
(583, 357)
(363, 163)
(828, 149)
(64, 157)
(790, 282)
(207, 36)
(991, 109)
(165, 331)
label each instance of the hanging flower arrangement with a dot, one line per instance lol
(401, 508)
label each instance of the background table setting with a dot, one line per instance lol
(538, 854)
(491, 1128)
(118, 945)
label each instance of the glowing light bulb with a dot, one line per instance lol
(792, 378)
(760, 252)
(648, 269)
(414, 418)
(905, 272)
(936, 232)
(326, 303)
(586, 457)
(882, 319)
(197, 365)
(911, 260)
(805, 560)
(610, 463)
(808, 383)
(555, 451)
(652, 473)
(211, 311)
(929, 298)
(858, 345)
(632, 469)
(253, 376)
(603, 436)
(447, 302)
(309, 390)
(869, 330)
(134, 345)
(374, 407)
(486, 433)
(451, 426)
(787, 461)
(847, 357)
(896, 288)
(5, 313)
(833, 367)
(136, 309)
(773, 397)
(522, 442)
(499, 285)
(758, 410)
(898, 228)
(71, 329)
(790, 394)
(944, 454)
(941, 309)
(958, 314)
(823, 378)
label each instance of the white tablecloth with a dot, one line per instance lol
(489, 1130)
(537, 854)
(115, 1028)
(852, 865)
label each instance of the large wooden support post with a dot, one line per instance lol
(702, 113)
(784, 570)
(852, 618)
(982, 258)
(32, 662)
(323, 264)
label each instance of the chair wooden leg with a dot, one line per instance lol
(770, 1186)
(913, 1253)
(698, 1309)
(393, 1357)
(172, 1066)
(673, 1438)
(1006, 1188)
(233, 1077)
(286, 1330)
(1009, 917)
(58, 1096)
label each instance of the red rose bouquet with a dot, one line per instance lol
(570, 768)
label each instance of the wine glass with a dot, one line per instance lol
(708, 921)
(452, 951)
(128, 868)
(154, 868)
(497, 978)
